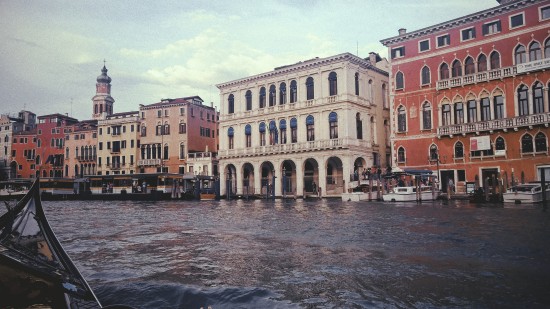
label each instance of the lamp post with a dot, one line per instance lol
(273, 184)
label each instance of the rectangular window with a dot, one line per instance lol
(398, 52)
(100, 145)
(492, 27)
(444, 40)
(516, 21)
(424, 45)
(468, 34)
(461, 175)
(545, 13)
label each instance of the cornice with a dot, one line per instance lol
(454, 23)
(302, 66)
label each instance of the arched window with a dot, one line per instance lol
(401, 155)
(248, 135)
(538, 99)
(485, 109)
(399, 80)
(519, 54)
(165, 152)
(272, 95)
(310, 128)
(526, 143)
(401, 119)
(370, 93)
(495, 60)
(425, 75)
(547, 48)
(230, 133)
(469, 66)
(384, 96)
(459, 113)
(332, 84)
(293, 92)
(456, 68)
(262, 133)
(282, 128)
(444, 71)
(459, 150)
(333, 125)
(356, 83)
(500, 144)
(310, 88)
(262, 97)
(231, 104)
(540, 142)
(248, 97)
(358, 126)
(67, 153)
(293, 130)
(434, 154)
(282, 93)
(523, 105)
(472, 111)
(534, 51)
(273, 134)
(426, 116)
(182, 151)
(482, 63)
(446, 114)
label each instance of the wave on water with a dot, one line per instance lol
(143, 295)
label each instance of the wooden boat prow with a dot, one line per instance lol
(35, 270)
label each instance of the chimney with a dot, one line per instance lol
(402, 31)
(372, 58)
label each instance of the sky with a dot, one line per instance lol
(52, 51)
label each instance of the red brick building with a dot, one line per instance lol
(470, 96)
(42, 150)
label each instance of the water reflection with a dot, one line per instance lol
(308, 254)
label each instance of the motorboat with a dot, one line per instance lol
(409, 193)
(35, 270)
(526, 193)
(13, 189)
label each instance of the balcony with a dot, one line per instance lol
(319, 145)
(115, 166)
(86, 158)
(476, 78)
(496, 124)
(148, 162)
(199, 156)
(303, 104)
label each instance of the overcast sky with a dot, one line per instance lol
(52, 51)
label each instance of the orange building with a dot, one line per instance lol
(470, 96)
(173, 129)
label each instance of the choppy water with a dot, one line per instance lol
(308, 254)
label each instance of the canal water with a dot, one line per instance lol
(308, 253)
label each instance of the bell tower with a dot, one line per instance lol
(102, 101)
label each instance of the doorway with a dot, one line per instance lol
(445, 176)
(488, 173)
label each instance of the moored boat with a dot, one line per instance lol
(409, 193)
(527, 193)
(35, 270)
(14, 189)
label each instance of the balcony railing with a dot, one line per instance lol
(199, 156)
(496, 124)
(325, 144)
(298, 105)
(148, 162)
(476, 78)
(86, 158)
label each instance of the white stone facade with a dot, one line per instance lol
(322, 120)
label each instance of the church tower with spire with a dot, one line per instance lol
(103, 102)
